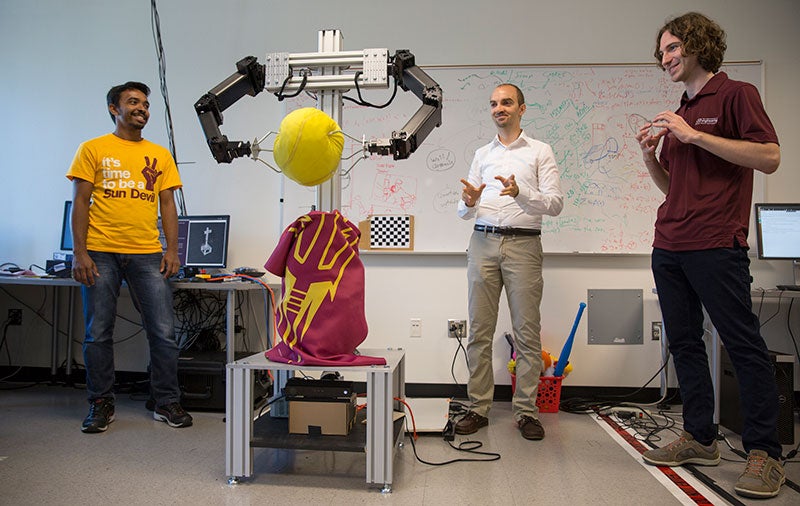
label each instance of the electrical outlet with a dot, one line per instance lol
(655, 330)
(416, 327)
(456, 328)
(15, 316)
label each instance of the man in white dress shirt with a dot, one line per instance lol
(513, 181)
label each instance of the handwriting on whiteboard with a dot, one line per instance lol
(588, 114)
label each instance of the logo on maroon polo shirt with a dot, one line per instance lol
(706, 121)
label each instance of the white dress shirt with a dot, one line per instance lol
(533, 165)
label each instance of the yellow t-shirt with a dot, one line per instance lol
(128, 177)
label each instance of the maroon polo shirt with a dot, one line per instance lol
(708, 202)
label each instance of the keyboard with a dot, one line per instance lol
(793, 288)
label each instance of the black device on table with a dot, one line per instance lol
(249, 271)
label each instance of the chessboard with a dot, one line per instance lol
(387, 232)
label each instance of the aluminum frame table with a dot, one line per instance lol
(384, 385)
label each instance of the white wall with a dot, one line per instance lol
(59, 59)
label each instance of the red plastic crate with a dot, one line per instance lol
(549, 394)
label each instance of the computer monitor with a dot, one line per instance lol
(206, 240)
(202, 241)
(66, 227)
(778, 234)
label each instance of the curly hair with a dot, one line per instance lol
(699, 36)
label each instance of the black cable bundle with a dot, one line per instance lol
(199, 319)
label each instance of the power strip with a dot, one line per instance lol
(449, 432)
(626, 412)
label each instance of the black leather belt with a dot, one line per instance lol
(506, 230)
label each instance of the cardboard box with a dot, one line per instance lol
(332, 417)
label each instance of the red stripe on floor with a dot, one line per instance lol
(669, 472)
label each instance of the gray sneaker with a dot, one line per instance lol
(762, 477)
(684, 450)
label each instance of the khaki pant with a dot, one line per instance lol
(495, 262)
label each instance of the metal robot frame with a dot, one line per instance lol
(330, 72)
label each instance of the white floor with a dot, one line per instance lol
(45, 459)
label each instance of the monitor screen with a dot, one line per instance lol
(202, 240)
(206, 240)
(66, 227)
(778, 231)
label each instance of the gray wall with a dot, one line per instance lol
(58, 59)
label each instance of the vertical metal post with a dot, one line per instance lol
(380, 427)
(230, 326)
(70, 323)
(329, 193)
(238, 422)
(54, 335)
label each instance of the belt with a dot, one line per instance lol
(507, 230)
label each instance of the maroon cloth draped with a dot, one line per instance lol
(320, 318)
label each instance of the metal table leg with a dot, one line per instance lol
(238, 423)
(54, 336)
(230, 328)
(380, 428)
(70, 324)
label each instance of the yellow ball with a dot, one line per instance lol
(308, 146)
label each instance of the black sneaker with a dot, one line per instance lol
(101, 413)
(173, 414)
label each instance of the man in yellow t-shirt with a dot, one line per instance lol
(119, 181)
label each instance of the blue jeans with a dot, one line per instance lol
(719, 280)
(152, 297)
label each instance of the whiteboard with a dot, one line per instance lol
(589, 115)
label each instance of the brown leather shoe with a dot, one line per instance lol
(470, 423)
(530, 428)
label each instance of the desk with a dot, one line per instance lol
(384, 383)
(70, 285)
(57, 284)
(230, 287)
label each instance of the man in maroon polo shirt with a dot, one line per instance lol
(711, 145)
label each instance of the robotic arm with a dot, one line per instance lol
(278, 76)
(248, 80)
(412, 78)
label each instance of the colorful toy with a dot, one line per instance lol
(549, 363)
(547, 360)
(512, 366)
(563, 359)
